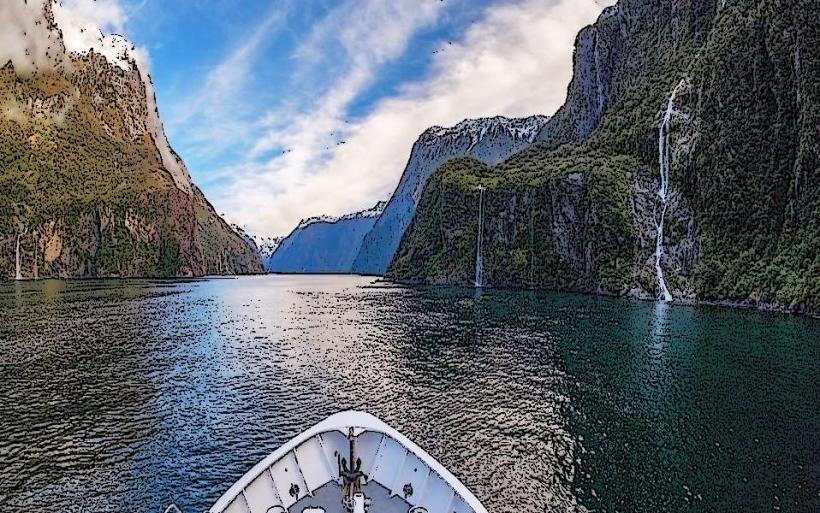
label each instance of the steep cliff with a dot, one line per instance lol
(89, 186)
(323, 244)
(489, 140)
(565, 228)
(684, 164)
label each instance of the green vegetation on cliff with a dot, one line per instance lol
(565, 226)
(66, 176)
(83, 188)
(579, 210)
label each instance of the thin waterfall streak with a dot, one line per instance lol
(664, 161)
(36, 264)
(599, 83)
(665, 294)
(479, 258)
(18, 275)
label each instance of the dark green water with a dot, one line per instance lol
(127, 396)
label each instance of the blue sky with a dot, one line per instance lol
(257, 96)
(281, 71)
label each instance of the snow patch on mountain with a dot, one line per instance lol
(267, 246)
(525, 129)
(372, 212)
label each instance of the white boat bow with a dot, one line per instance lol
(351, 462)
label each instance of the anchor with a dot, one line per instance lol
(353, 479)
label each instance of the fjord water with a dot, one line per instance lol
(126, 396)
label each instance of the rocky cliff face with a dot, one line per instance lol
(323, 244)
(687, 155)
(89, 186)
(488, 140)
(568, 229)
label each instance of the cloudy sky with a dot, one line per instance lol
(288, 109)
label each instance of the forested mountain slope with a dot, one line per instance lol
(684, 164)
(89, 186)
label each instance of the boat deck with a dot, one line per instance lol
(329, 498)
(306, 474)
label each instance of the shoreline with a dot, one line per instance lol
(747, 304)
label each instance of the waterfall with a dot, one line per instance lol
(598, 81)
(18, 275)
(663, 193)
(532, 252)
(36, 268)
(479, 259)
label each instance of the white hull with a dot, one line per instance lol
(304, 474)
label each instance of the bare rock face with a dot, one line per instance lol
(591, 91)
(89, 185)
(632, 41)
(567, 212)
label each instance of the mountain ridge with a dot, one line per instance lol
(323, 244)
(374, 211)
(651, 174)
(89, 186)
(488, 139)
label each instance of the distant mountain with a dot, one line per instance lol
(685, 165)
(323, 244)
(267, 246)
(488, 140)
(263, 246)
(89, 186)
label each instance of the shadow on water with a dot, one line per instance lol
(131, 395)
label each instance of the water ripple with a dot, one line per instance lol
(126, 396)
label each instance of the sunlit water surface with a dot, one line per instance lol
(126, 396)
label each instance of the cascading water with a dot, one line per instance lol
(36, 268)
(479, 259)
(598, 81)
(18, 275)
(663, 192)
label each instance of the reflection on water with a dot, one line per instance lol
(129, 395)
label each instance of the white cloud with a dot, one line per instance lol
(215, 116)
(370, 33)
(24, 40)
(516, 61)
(104, 15)
(98, 25)
(30, 43)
